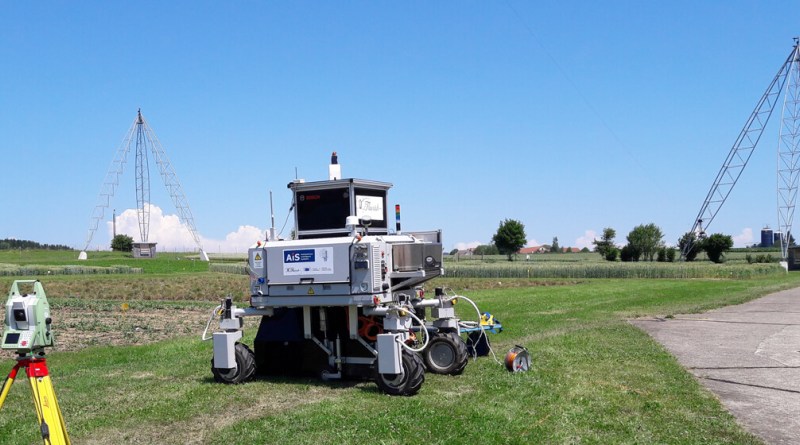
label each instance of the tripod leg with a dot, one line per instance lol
(53, 427)
(52, 422)
(7, 385)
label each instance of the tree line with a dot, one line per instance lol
(9, 244)
(644, 243)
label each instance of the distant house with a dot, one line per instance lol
(466, 252)
(534, 249)
(545, 248)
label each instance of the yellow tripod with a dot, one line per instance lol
(51, 422)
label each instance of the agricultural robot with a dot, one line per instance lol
(343, 299)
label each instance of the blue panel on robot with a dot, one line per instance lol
(299, 256)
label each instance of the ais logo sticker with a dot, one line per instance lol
(299, 256)
(313, 261)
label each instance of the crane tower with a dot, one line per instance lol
(786, 81)
(142, 137)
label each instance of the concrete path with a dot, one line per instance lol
(749, 355)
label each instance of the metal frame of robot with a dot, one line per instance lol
(396, 304)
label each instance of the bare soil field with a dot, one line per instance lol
(116, 311)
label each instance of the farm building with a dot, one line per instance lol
(545, 248)
(534, 249)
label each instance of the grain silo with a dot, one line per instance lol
(767, 239)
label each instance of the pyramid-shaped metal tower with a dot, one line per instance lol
(142, 137)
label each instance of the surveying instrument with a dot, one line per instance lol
(27, 330)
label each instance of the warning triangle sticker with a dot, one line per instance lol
(310, 291)
(258, 257)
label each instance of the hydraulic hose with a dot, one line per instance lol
(478, 323)
(216, 312)
(427, 336)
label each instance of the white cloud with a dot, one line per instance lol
(533, 242)
(172, 235)
(238, 241)
(586, 240)
(468, 245)
(743, 239)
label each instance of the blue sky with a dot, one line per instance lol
(569, 117)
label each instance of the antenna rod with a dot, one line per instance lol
(271, 236)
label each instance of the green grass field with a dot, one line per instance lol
(166, 262)
(595, 378)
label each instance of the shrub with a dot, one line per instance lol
(122, 243)
(666, 254)
(716, 245)
(759, 258)
(628, 253)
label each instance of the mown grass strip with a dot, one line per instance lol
(165, 262)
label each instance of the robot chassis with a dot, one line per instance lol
(343, 301)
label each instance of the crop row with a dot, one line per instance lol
(234, 268)
(14, 270)
(612, 270)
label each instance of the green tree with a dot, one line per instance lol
(645, 240)
(510, 237)
(716, 245)
(605, 247)
(10, 243)
(628, 253)
(486, 249)
(686, 239)
(666, 254)
(555, 247)
(454, 251)
(122, 243)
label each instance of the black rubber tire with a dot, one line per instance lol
(446, 353)
(245, 367)
(406, 383)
